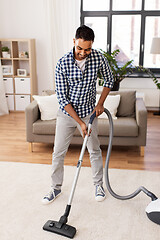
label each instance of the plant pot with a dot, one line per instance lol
(4, 54)
(115, 86)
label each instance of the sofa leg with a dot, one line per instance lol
(142, 151)
(30, 147)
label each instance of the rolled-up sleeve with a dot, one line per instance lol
(106, 72)
(61, 86)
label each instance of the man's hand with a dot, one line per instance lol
(74, 115)
(84, 129)
(99, 109)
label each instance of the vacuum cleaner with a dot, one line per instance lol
(62, 228)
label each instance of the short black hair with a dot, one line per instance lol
(85, 33)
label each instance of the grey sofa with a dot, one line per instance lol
(130, 129)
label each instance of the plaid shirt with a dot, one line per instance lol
(77, 88)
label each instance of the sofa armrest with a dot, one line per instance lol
(141, 113)
(32, 114)
(141, 118)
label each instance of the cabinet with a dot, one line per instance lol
(19, 72)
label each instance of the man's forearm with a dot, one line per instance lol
(68, 108)
(103, 96)
(74, 115)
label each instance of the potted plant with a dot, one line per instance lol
(121, 72)
(5, 51)
(26, 54)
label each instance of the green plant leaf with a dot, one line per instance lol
(120, 73)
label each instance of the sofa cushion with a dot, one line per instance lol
(123, 127)
(48, 106)
(111, 103)
(44, 127)
(47, 92)
(126, 107)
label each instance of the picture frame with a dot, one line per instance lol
(7, 70)
(21, 72)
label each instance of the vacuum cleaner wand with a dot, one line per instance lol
(153, 209)
(61, 227)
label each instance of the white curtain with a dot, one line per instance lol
(62, 20)
(3, 101)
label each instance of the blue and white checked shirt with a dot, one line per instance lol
(77, 88)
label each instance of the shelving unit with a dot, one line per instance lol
(19, 88)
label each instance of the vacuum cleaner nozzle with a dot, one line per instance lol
(64, 229)
(153, 211)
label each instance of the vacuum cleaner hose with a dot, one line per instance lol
(148, 193)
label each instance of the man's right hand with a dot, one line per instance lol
(84, 129)
(74, 115)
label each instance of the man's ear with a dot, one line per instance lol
(74, 41)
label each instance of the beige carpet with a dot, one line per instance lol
(22, 216)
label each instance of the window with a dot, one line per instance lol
(127, 25)
(124, 38)
(152, 30)
(126, 5)
(91, 5)
(152, 5)
(100, 32)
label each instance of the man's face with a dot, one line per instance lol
(82, 48)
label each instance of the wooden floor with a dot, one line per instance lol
(14, 148)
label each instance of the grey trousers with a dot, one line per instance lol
(65, 129)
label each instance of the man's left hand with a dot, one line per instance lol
(99, 109)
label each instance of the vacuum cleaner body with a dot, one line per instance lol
(153, 211)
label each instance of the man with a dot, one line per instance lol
(76, 76)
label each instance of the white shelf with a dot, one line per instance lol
(19, 89)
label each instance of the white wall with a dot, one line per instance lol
(26, 19)
(144, 87)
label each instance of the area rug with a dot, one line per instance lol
(23, 185)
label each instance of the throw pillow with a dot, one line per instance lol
(126, 106)
(111, 103)
(48, 106)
